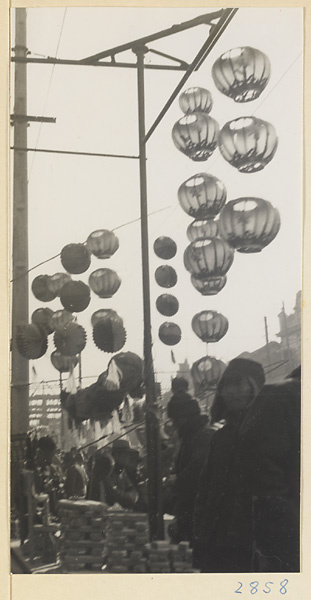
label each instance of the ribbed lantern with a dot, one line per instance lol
(109, 334)
(31, 341)
(165, 276)
(56, 282)
(42, 317)
(75, 296)
(196, 135)
(102, 243)
(206, 372)
(248, 143)
(104, 282)
(167, 305)
(209, 257)
(70, 340)
(242, 73)
(60, 318)
(202, 229)
(209, 326)
(75, 258)
(103, 313)
(202, 196)
(164, 247)
(249, 224)
(169, 333)
(62, 363)
(40, 289)
(195, 99)
(210, 286)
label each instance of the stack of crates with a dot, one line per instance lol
(181, 558)
(127, 534)
(158, 557)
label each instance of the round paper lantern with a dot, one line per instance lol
(196, 99)
(248, 143)
(60, 318)
(42, 317)
(104, 282)
(210, 286)
(62, 363)
(164, 247)
(75, 258)
(242, 73)
(165, 276)
(202, 196)
(109, 334)
(206, 372)
(102, 243)
(169, 333)
(167, 305)
(202, 229)
(102, 313)
(75, 296)
(209, 257)
(31, 341)
(70, 340)
(196, 135)
(209, 326)
(249, 224)
(41, 290)
(56, 282)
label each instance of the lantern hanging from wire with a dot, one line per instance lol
(165, 276)
(249, 224)
(206, 372)
(60, 318)
(242, 73)
(31, 341)
(109, 334)
(42, 318)
(167, 305)
(63, 364)
(75, 296)
(170, 333)
(102, 243)
(104, 282)
(195, 99)
(70, 340)
(209, 286)
(196, 135)
(208, 257)
(209, 326)
(164, 247)
(248, 143)
(40, 289)
(75, 258)
(201, 229)
(103, 313)
(202, 196)
(56, 282)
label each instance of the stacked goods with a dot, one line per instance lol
(83, 527)
(127, 534)
(158, 557)
(181, 558)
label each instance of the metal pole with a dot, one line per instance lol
(152, 424)
(267, 342)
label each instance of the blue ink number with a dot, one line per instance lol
(238, 590)
(283, 589)
(268, 590)
(254, 587)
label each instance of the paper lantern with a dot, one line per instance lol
(60, 318)
(167, 305)
(75, 258)
(109, 334)
(165, 276)
(206, 372)
(209, 286)
(242, 73)
(196, 135)
(102, 313)
(209, 325)
(75, 296)
(56, 282)
(202, 196)
(164, 247)
(249, 224)
(41, 290)
(209, 257)
(169, 333)
(31, 341)
(63, 364)
(42, 318)
(70, 340)
(102, 243)
(196, 99)
(248, 143)
(104, 282)
(202, 229)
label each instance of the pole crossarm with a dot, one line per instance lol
(29, 118)
(77, 153)
(77, 63)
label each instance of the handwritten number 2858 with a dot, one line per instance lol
(267, 589)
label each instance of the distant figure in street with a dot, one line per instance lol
(76, 480)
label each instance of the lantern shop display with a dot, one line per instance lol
(167, 305)
(170, 333)
(202, 229)
(206, 372)
(209, 326)
(31, 341)
(75, 258)
(60, 318)
(70, 340)
(75, 296)
(40, 289)
(209, 257)
(103, 313)
(209, 286)
(249, 224)
(104, 282)
(63, 364)
(242, 73)
(248, 143)
(102, 243)
(56, 282)
(42, 318)
(202, 196)
(165, 276)
(195, 99)
(196, 136)
(164, 247)
(109, 334)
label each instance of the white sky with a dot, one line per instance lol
(96, 111)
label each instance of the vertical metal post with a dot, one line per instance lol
(267, 342)
(152, 424)
(80, 371)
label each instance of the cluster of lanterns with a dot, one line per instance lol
(166, 277)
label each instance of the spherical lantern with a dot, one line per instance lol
(164, 247)
(242, 73)
(208, 257)
(195, 99)
(104, 282)
(196, 135)
(167, 305)
(165, 276)
(109, 334)
(75, 258)
(75, 296)
(42, 317)
(56, 282)
(206, 372)
(248, 143)
(202, 229)
(209, 326)
(60, 318)
(41, 290)
(70, 340)
(102, 243)
(31, 341)
(62, 363)
(169, 333)
(249, 224)
(210, 286)
(102, 313)
(202, 196)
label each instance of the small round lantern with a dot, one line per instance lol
(31, 341)
(169, 333)
(109, 334)
(206, 372)
(75, 296)
(165, 276)
(104, 282)
(196, 135)
(249, 224)
(60, 318)
(242, 73)
(57, 281)
(70, 340)
(210, 326)
(42, 318)
(102, 243)
(210, 286)
(202, 229)
(209, 257)
(62, 363)
(40, 289)
(164, 247)
(167, 305)
(196, 99)
(103, 313)
(248, 143)
(202, 196)
(75, 258)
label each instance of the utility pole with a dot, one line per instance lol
(267, 342)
